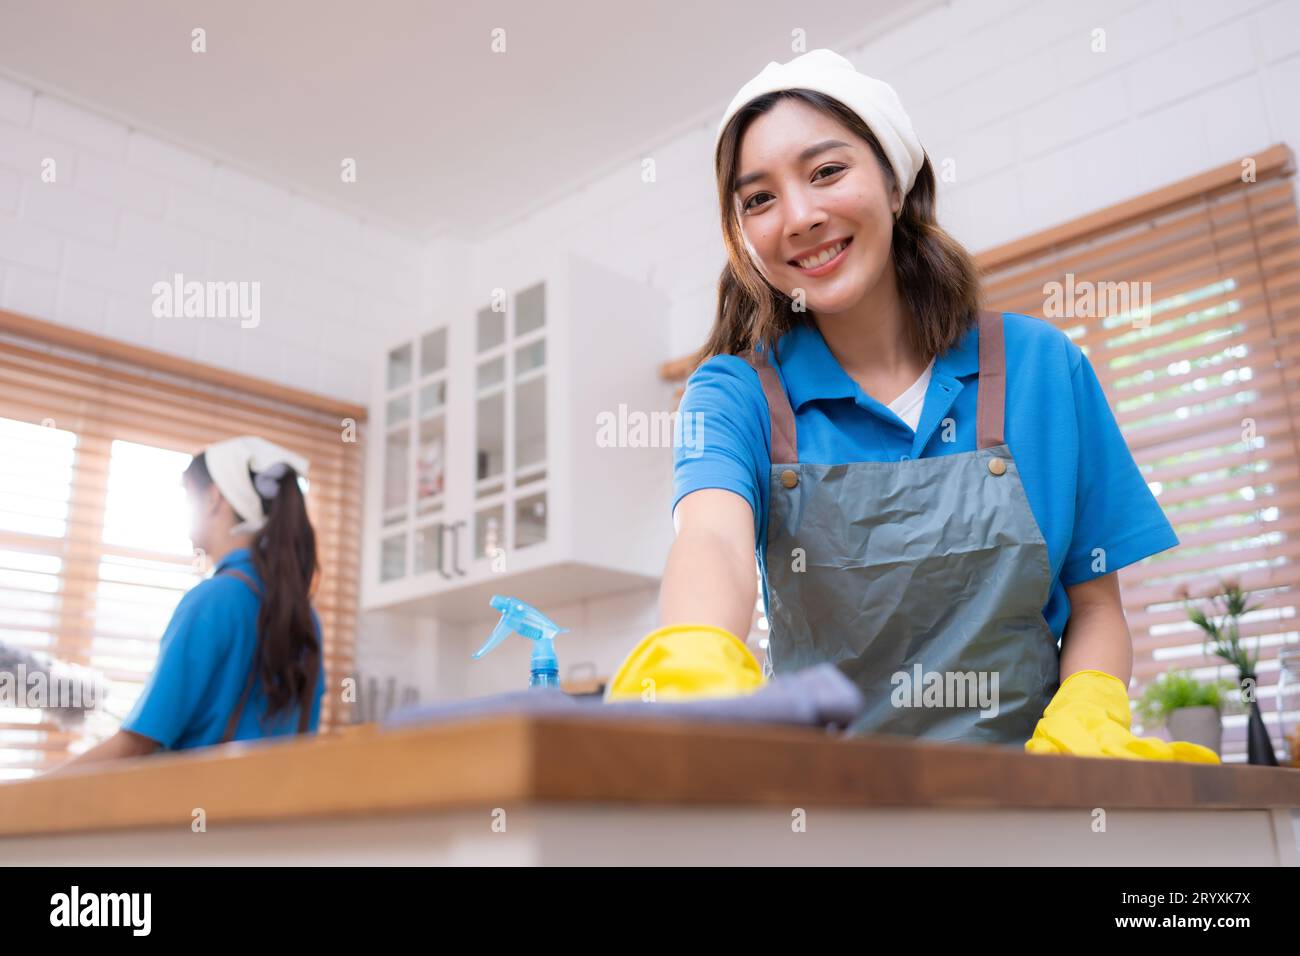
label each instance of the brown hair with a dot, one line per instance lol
(937, 278)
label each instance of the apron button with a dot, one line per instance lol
(789, 478)
(997, 466)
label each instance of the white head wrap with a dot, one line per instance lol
(825, 71)
(228, 463)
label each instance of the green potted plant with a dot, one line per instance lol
(1221, 625)
(1191, 709)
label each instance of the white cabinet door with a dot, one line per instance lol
(511, 525)
(393, 429)
(407, 491)
(432, 431)
(487, 468)
(533, 390)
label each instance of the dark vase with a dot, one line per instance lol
(1259, 746)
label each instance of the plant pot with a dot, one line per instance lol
(1197, 725)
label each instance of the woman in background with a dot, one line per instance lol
(242, 655)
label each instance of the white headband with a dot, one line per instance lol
(229, 462)
(825, 71)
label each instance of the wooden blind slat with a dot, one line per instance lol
(1231, 250)
(136, 418)
(1186, 240)
(1159, 615)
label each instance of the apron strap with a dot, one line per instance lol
(785, 446)
(304, 710)
(990, 403)
(991, 400)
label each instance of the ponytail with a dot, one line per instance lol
(284, 554)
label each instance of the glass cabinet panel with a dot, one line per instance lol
(490, 444)
(530, 423)
(399, 367)
(432, 397)
(430, 466)
(489, 531)
(490, 373)
(530, 520)
(392, 561)
(530, 309)
(433, 353)
(529, 357)
(397, 462)
(428, 548)
(398, 410)
(491, 329)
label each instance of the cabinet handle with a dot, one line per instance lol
(455, 548)
(442, 552)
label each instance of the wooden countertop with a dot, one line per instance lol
(510, 760)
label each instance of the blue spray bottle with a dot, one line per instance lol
(525, 620)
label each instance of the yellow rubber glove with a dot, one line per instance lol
(1089, 717)
(686, 661)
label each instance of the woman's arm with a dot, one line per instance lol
(121, 744)
(1096, 635)
(710, 577)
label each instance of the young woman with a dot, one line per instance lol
(938, 495)
(242, 656)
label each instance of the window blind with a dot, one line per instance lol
(1194, 332)
(93, 548)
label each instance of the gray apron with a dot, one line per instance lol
(923, 580)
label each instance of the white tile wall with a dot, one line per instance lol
(126, 209)
(1041, 129)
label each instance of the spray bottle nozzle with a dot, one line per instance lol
(519, 617)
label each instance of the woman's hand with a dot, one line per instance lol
(124, 743)
(1090, 716)
(686, 662)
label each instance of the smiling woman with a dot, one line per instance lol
(976, 540)
(877, 207)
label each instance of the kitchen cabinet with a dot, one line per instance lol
(489, 471)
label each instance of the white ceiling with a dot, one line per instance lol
(449, 137)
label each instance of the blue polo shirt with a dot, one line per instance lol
(203, 662)
(1084, 489)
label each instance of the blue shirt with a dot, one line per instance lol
(1088, 496)
(203, 663)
